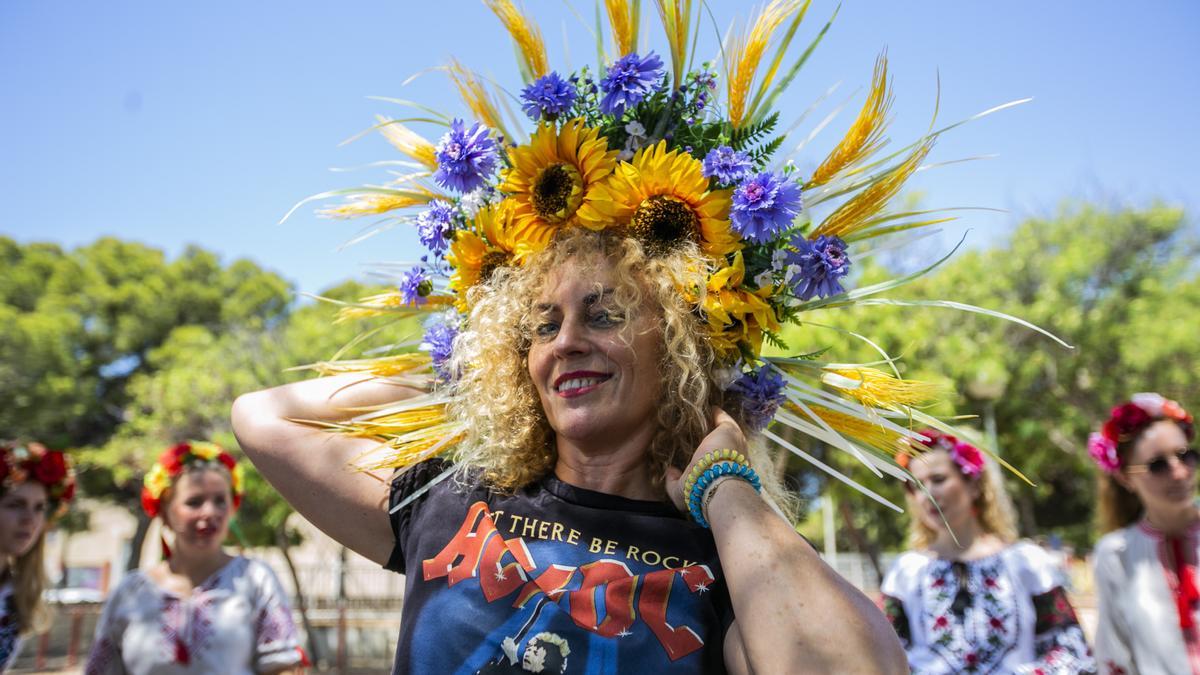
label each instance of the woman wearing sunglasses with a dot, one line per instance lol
(1146, 576)
(968, 597)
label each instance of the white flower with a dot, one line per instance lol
(765, 279)
(635, 128)
(1150, 402)
(778, 258)
(792, 272)
(625, 155)
(474, 200)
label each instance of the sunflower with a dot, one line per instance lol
(663, 198)
(736, 314)
(552, 178)
(495, 239)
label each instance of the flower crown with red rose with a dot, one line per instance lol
(966, 457)
(171, 464)
(32, 461)
(1127, 420)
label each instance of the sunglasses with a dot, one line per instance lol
(1161, 466)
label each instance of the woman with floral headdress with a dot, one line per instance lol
(1146, 563)
(36, 485)
(201, 610)
(969, 597)
(583, 479)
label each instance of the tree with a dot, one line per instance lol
(1116, 284)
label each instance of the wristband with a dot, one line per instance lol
(711, 474)
(714, 457)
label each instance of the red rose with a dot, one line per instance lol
(172, 456)
(149, 503)
(69, 493)
(941, 622)
(1127, 419)
(996, 622)
(51, 468)
(228, 460)
(972, 659)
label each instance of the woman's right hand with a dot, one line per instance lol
(311, 467)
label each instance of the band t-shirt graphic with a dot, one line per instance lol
(552, 579)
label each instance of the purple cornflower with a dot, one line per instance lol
(821, 262)
(765, 206)
(628, 81)
(727, 165)
(759, 393)
(414, 286)
(548, 97)
(465, 157)
(434, 226)
(439, 342)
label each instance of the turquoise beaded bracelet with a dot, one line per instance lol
(732, 469)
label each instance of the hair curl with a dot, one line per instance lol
(508, 437)
(993, 506)
(1118, 506)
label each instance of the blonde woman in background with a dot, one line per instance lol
(1146, 563)
(201, 610)
(969, 597)
(35, 486)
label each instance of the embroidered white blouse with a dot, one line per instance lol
(237, 622)
(1138, 628)
(1005, 613)
(10, 640)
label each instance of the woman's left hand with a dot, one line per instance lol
(726, 434)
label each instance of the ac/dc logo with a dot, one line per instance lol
(478, 550)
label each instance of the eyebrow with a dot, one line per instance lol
(588, 300)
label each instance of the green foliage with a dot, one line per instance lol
(115, 352)
(1120, 285)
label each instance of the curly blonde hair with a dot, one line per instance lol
(508, 437)
(993, 507)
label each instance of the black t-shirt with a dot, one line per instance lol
(552, 579)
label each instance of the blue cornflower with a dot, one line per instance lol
(465, 157)
(759, 393)
(628, 81)
(548, 97)
(434, 226)
(821, 262)
(727, 165)
(439, 342)
(765, 206)
(414, 286)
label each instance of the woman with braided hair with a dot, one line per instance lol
(1146, 562)
(969, 597)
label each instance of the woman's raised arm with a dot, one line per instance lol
(311, 467)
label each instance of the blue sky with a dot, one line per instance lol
(185, 122)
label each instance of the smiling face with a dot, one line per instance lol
(953, 492)
(199, 509)
(22, 518)
(594, 369)
(1161, 492)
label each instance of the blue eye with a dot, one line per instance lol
(545, 329)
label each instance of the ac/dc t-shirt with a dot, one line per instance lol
(552, 579)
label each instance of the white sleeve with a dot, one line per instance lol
(1112, 642)
(105, 657)
(276, 641)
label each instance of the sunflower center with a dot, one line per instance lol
(557, 192)
(491, 262)
(663, 221)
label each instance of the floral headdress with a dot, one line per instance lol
(21, 463)
(1127, 420)
(968, 458)
(171, 464)
(648, 148)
